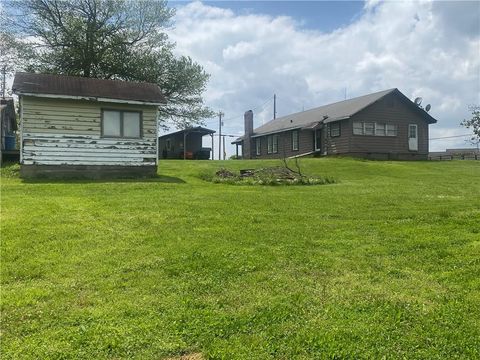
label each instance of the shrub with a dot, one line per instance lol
(267, 176)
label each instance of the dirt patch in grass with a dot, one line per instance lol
(275, 175)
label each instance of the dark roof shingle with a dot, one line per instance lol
(331, 112)
(86, 87)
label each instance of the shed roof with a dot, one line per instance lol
(329, 113)
(198, 129)
(75, 86)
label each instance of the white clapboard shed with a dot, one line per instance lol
(83, 127)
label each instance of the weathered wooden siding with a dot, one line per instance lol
(338, 144)
(68, 132)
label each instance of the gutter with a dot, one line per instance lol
(277, 131)
(305, 154)
(93, 98)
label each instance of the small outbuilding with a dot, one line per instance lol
(186, 144)
(83, 127)
(8, 128)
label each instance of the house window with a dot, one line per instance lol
(270, 144)
(368, 128)
(258, 149)
(275, 144)
(168, 144)
(117, 123)
(357, 128)
(412, 131)
(391, 129)
(295, 140)
(335, 129)
(379, 129)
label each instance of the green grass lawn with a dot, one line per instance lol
(383, 264)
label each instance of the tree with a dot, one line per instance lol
(111, 39)
(473, 123)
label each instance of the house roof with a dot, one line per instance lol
(80, 87)
(328, 113)
(197, 129)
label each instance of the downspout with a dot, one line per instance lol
(211, 135)
(325, 136)
(185, 144)
(156, 138)
(21, 129)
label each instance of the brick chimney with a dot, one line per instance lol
(247, 141)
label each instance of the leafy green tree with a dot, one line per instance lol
(109, 39)
(473, 123)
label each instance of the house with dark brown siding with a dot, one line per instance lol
(382, 125)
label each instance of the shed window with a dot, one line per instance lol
(168, 144)
(270, 144)
(117, 123)
(112, 123)
(335, 129)
(295, 140)
(258, 146)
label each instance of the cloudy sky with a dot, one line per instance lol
(314, 52)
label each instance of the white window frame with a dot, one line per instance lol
(357, 128)
(389, 129)
(372, 128)
(295, 140)
(275, 144)
(269, 144)
(377, 129)
(258, 146)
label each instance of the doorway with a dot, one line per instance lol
(318, 140)
(413, 137)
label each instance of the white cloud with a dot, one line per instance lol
(428, 49)
(240, 51)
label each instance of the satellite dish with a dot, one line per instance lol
(418, 101)
(428, 107)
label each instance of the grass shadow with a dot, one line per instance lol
(73, 180)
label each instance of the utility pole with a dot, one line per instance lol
(274, 106)
(224, 152)
(220, 124)
(4, 74)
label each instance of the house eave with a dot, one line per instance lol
(328, 120)
(276, 131)
(89, 98)
(302, 127)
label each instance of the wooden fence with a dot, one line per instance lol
(454, 157)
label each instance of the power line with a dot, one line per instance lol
(449, 137)
(261, 107)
